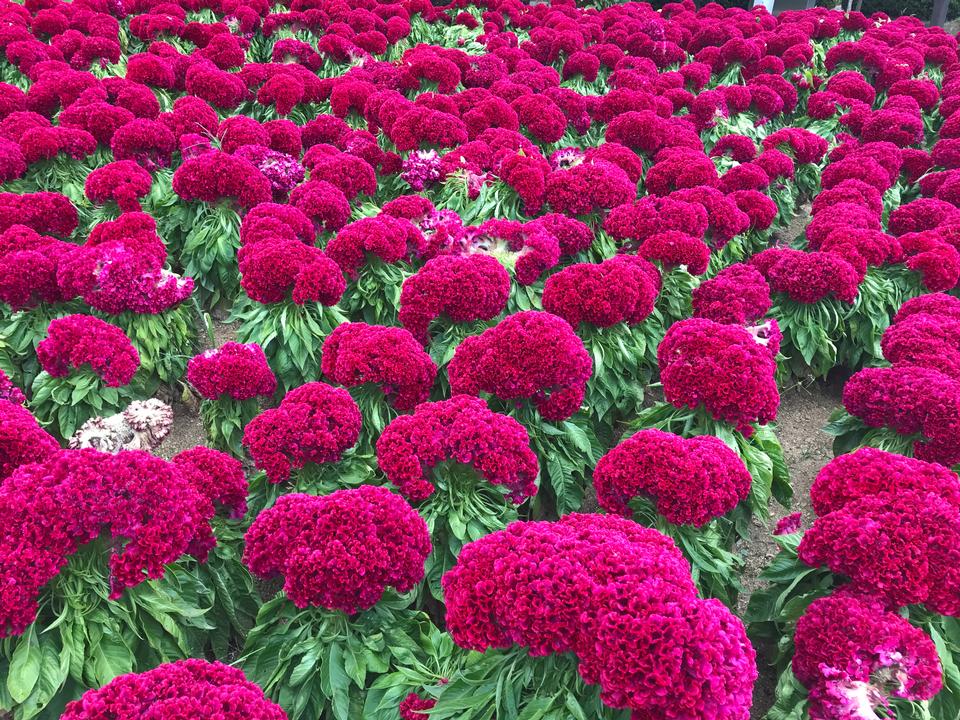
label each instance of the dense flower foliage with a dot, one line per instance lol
(690, 480)
(461, 287)
(850, 653)
(55, 506)
(339, 551)
(463, 430)
(531, 355)
(724, 368)
(554, 592)
(314, 423)
(621, 289)
(234, 369)
(78, 340)
(357, 354)
(209, 690)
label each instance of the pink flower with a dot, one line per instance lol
(621, 289)
(356, 353)
(240, 371)
(314, 423)
(691, 481)
(464, 430)
(198, 687)
(339, 551)
(76, 340)
(529, 355)
(722, 367)
(462, 287)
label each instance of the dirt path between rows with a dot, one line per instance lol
(803, 413)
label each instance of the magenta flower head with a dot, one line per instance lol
(357, 353)
(314, 423)
(202, 689)
(691, 480)
(217, 475)
(235, 369)
(621, 289)
(77, 340)
(530, 355)
(808, 277)
(462, 287)
(620, 597)
(851, 653)
(869, 471)
(124, 182)
(738, 294)
(340, 551)
(534, 583)
(22, 440)
(722, 367)
(152, 510)
(462, 429)
(389, 238)
(898, 546)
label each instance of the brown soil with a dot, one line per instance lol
(803, 413)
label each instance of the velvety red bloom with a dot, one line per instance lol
(273, 221)
(676, 249)
(531, 355)
(76, 340)
(325, 204)
(739, 148)
(217, 475)
(925, 338)
(585, 583)
(651, 216)
(117, 277)
(808, 277)
(221, 89)
(412, 704)
(804, 146)
(339, 551)
(273, 268)
(9, 391)
(589, 187)
(621, 289)
(22, 440)
(722, 367)
(846, 644)
(352, 174)
(151, 510)
(541, 117)
(389, 238)
(845, 215)
(868, 471)
(314, 423)
(678, 168)
(235, 369)
(123, 182)
(45, 143)
(922, 214)
(725, 219)
(29, 267)
(900, 546)
(464, 430)
(357, 353)
(550, 575)
(215, 176)
(148, 142)
(201, 688)
(464, 288)
(738, 294)
(48, 213)
(691, 480)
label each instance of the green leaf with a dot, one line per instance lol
(24, 667)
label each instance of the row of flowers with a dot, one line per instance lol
(454, 272)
